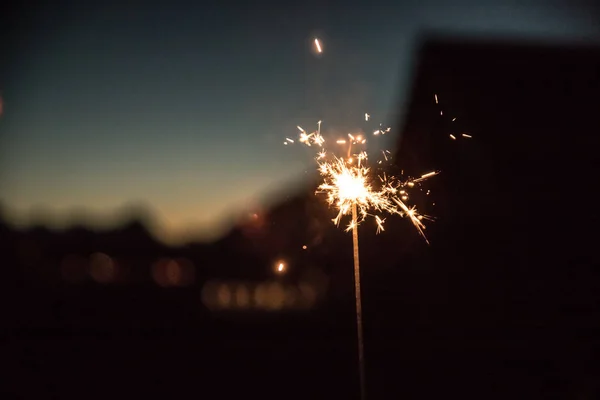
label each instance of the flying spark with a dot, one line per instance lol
(452, 120)
(318, 46)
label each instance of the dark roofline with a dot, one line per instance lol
(439, 40)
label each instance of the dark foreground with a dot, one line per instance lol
(131, 344)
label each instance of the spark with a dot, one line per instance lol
(467, 136)
(348, 182)
(318, 45)
(362, 157)
(367, 116)
(453, 119)
(452, 137)
(422, 178)
(309, 138)
(436, 99)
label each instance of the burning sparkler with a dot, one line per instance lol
(348, 182)
(352, 188)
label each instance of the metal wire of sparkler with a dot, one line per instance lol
(351, 188)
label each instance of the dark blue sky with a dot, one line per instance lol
(185, 107)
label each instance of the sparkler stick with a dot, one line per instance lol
(361, 355)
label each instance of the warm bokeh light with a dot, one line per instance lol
(242, 296)
(258, 296)
(168, 272)
(280, 266)
(224, 296)
(103, 268)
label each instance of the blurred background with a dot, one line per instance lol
(158, 238)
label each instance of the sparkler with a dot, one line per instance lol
(353, 189)
(348, 181)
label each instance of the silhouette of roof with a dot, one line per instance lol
(515, 202)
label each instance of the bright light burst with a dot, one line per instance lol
(348, 182)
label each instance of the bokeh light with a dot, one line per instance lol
(266, 296)
(168, 272)
(224, 296)
(102, 268)
(242, 296)
(280, 267)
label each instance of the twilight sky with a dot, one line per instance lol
(184, 107)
